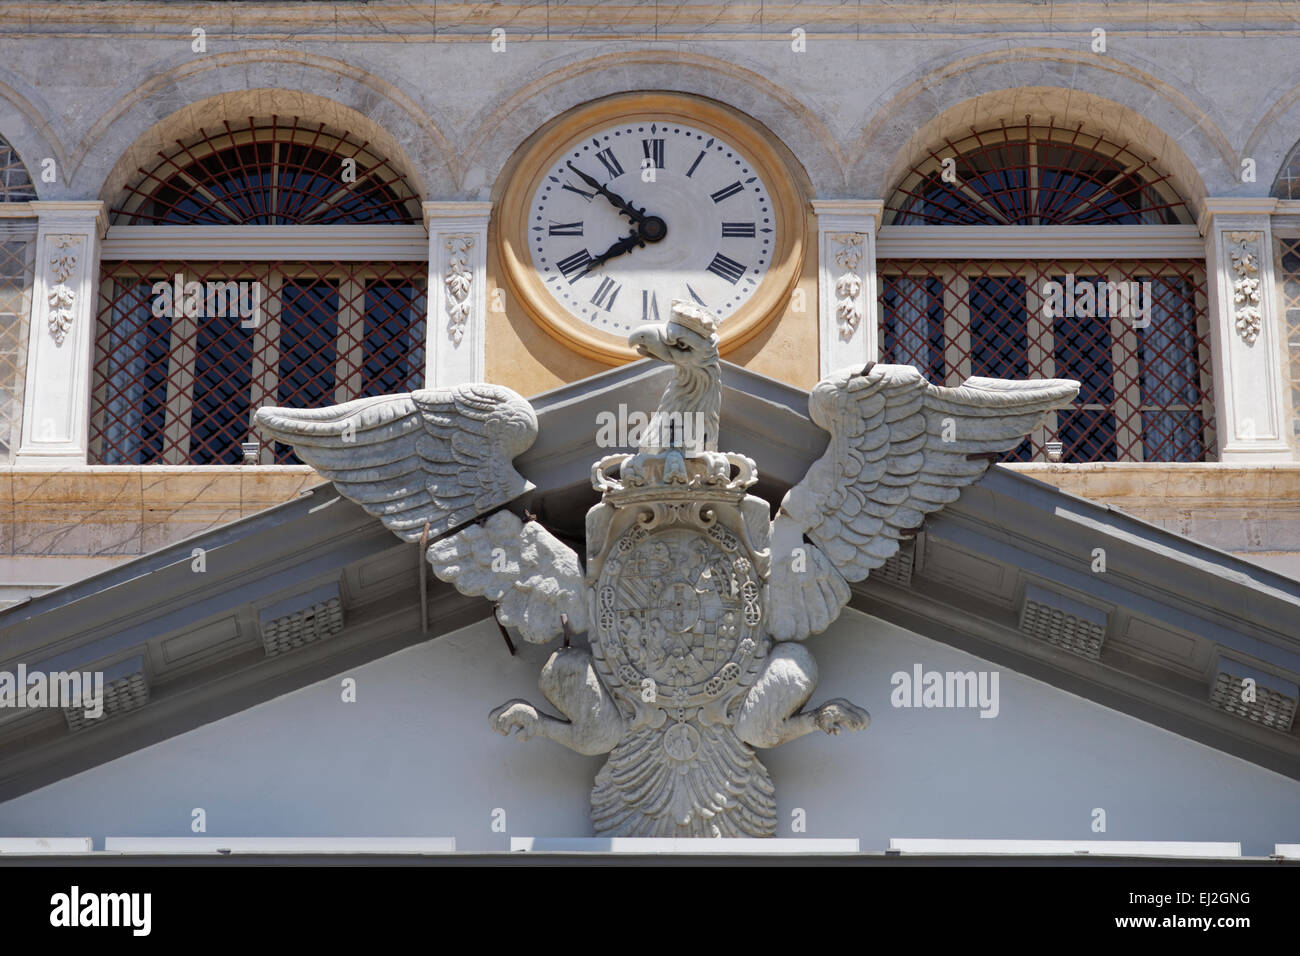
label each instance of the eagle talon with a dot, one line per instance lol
(515, 715)
(838, 714)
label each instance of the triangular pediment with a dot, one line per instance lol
(1009, 573)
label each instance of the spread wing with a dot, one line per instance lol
(441, 456)
(900, 449)
(531, 575)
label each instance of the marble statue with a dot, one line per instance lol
(694, 602)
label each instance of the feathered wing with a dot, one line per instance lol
(531, 575)
(441, 456)
(900, 449)
(444, 457)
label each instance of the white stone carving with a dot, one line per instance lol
(688, 581)
(61, 296)
(1245, 287)
(458, 281)
(900, 449)
(440, 457)
(848, 285)
(532, 575)
(847, 329)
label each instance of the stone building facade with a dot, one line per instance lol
(1187, 121)
(210, 207)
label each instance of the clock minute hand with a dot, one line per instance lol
(624, 206)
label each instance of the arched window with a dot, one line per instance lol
(1031, 175)
(187, 351)
(15, 182)
(1287, 184)
(1133, 330)
(17, 268)
(1287, 256)
(279, 173)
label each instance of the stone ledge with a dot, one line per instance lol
(1158, 482)
(108, 510)
(1244, 509)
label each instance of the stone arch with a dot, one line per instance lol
(261, 82)
(552, 91)
(32, 138)
(1139, 111)
(1274, 138)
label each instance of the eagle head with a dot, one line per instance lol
(689, 338)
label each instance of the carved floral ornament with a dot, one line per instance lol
(61, 297)
(458, 281)
(1245, 287)
(848, 286)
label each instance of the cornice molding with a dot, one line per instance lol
(1036, 242)
(454, 212)
(70, 214)
(850, 208)
(467, 22)
(342, 243)
(1217, 206)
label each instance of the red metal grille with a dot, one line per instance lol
(1146, 390)
(1288, 272)
(15, 182)
(178, 378)
(1287, 184)
(276, 172)
(1034, 175)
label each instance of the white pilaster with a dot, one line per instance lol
(56, 399)
(1246, 325)
(455, 332)
(846, 281)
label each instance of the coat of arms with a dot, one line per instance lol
(694, 600)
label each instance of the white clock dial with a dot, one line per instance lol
(701, 225)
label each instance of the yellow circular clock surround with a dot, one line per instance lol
(776, 197)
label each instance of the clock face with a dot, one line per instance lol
(636, 214)
(622, 205)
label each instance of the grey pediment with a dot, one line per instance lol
(1166, 631)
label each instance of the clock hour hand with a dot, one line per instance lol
(623, 205)
(626, 244)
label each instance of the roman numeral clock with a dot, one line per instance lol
(618, 207)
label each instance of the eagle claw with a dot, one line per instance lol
(515, 715)
(838, 714)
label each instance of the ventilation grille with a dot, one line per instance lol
(898, 569)
(301, 620)
(125, 689)
(1063, 622)
(1270, 706)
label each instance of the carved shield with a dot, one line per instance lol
(678, 639)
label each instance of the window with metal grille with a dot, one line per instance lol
(17, 269)
(1034, 175)
(187, 352)
(1287, 184)
(1134, 333)
(269, 172)
(1145, 379)
(15, 182)
(1288, 273)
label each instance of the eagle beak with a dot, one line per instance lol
(649, 342)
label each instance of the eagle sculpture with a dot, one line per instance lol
(693, 601)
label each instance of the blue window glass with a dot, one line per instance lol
(134, 366)
(912, 331)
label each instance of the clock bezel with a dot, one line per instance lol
(546, 147)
